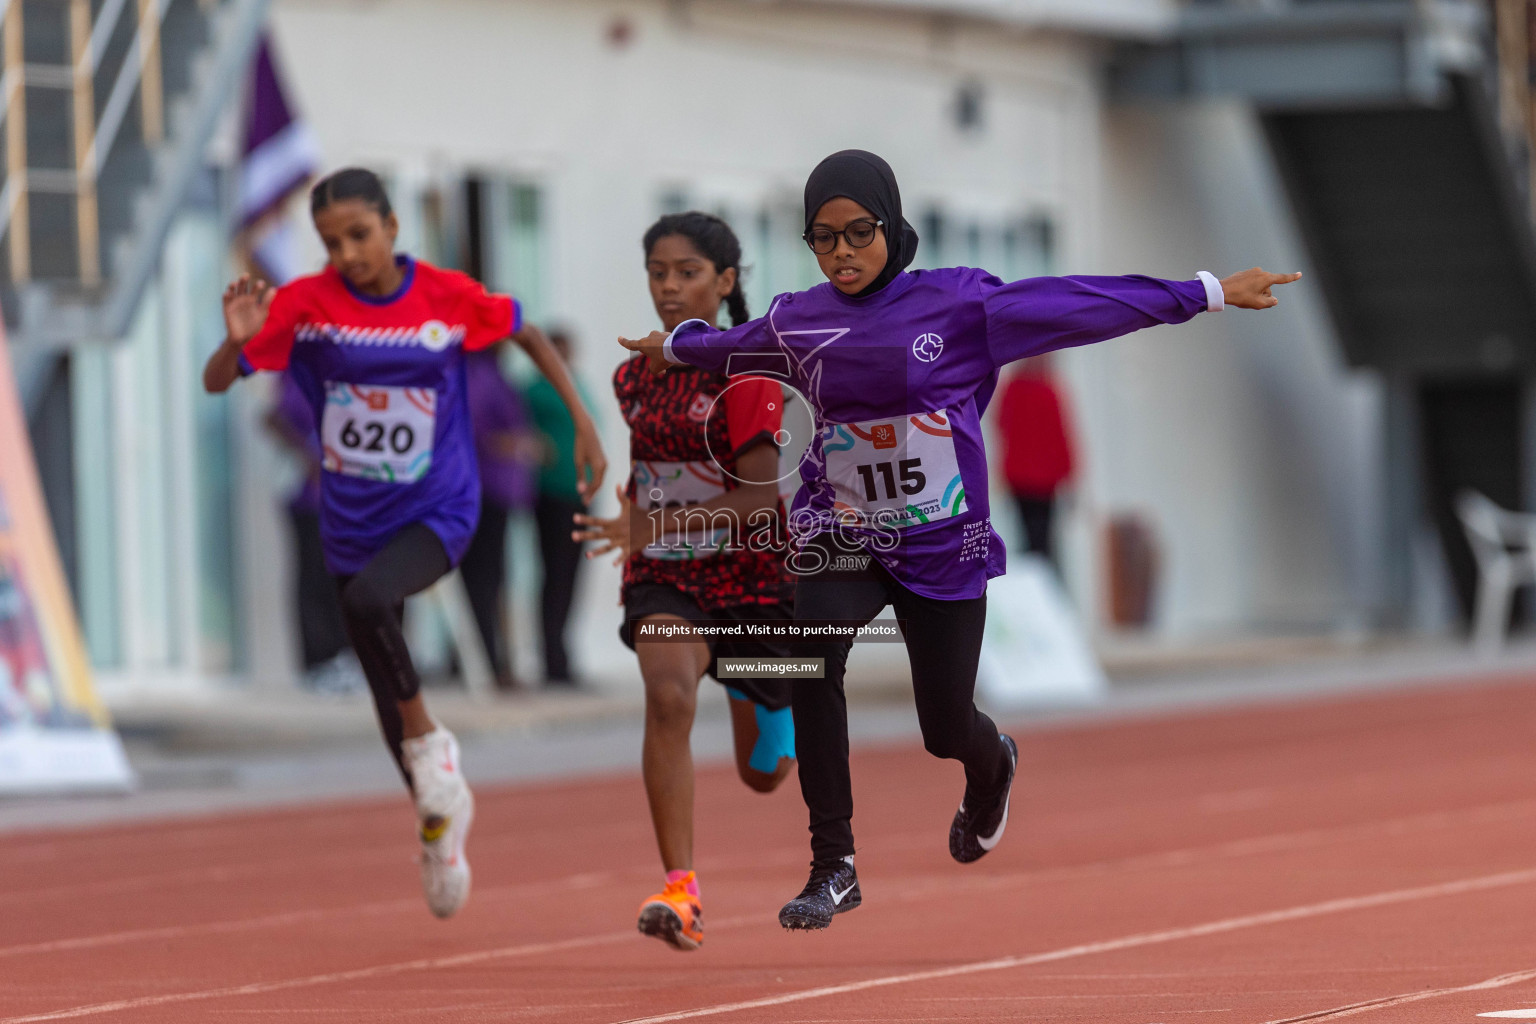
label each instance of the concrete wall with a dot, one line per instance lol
(1254, 451)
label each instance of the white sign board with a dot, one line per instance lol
(1035, 652)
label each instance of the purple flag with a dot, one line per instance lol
(280, 152)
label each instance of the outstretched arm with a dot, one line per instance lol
(247, 301)
(590, 463)
(696, 343)
(1042, 314)
(652, 347)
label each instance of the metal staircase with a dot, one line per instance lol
(1402, 131)
(108, 107)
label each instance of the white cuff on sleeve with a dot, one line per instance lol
(1215, 298)
(666, 346)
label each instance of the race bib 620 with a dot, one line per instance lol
(899, 471)
(376, 432)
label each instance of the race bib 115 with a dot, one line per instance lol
(378, 433)
(898, 471)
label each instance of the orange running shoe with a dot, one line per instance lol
(674, 915)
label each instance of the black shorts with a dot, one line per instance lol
(658, 599)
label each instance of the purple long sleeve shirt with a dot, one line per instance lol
(898, 382)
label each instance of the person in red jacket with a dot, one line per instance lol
(1037, 448)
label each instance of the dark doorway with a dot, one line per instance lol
(1471, 437)
(474, 222)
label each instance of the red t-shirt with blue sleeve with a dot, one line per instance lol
(385, 378)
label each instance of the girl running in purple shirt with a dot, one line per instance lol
(899, 367)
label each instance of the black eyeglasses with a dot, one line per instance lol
(858, 232)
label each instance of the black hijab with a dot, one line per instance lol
(868, 181)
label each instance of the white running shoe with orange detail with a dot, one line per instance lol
(445, 808)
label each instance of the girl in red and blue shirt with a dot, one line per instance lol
(376, 342)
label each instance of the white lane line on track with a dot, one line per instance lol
(1515, 809)
(1230, 924)
(1309, 910)
(1188, 856)
(587, 880)
(206, 928)
(349, 859)
(1409, 997)
(356, 974)
(1280, 842)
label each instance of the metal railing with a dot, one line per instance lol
(92, 137)
(1515, 63)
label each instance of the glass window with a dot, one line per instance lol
(516, 214)
(220, 644)
(972, 256)
(95, 503)
(1028, 248)
(1010, 248)
(776, 258)
(674, 199)
(441, 224)
(931, 237)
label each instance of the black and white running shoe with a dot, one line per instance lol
(979, 824)
(832, 889)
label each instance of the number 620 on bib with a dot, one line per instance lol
(378, 433)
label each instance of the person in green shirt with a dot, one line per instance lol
(558, 500)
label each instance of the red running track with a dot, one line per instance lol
(1369, 858)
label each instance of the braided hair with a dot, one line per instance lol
(715, 241)
(349, 183)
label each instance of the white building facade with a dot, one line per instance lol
(578, 122)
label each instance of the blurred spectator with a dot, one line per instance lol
(1037, 449)
(329, 665)
(508, 450)
(558, 501)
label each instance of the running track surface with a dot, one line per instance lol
(1369, 858)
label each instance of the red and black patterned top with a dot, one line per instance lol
(687, 429)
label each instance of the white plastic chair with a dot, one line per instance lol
(1504, 544)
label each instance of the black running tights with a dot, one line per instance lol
(373, 606)
(943, 646)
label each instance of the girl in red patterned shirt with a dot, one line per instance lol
(700, 532)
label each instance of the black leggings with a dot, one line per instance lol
(373, 606)
(484, 570)
(562, 560)
(1036, 513)
(943, 646)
